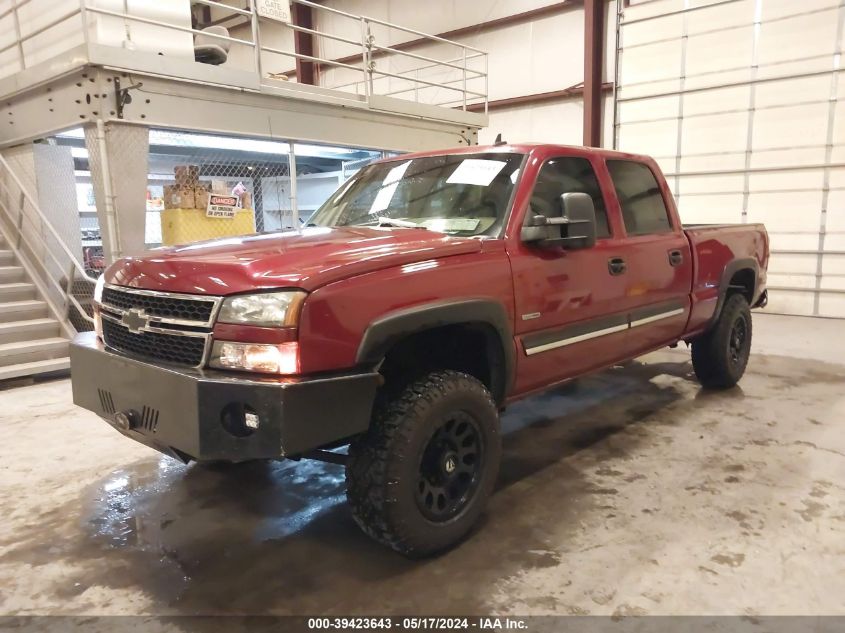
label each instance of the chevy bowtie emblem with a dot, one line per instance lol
(135, 320)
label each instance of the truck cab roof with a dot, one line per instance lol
(525, 148)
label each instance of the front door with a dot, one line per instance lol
(570, 317)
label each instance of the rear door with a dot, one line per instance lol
(655, 256)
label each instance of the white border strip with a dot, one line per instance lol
(530, 351)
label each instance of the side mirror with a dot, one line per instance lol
(574, 228)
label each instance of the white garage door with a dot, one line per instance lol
(743, 105)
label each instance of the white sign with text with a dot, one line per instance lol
(221, 206)
(278, 10)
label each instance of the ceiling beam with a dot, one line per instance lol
(536, 98)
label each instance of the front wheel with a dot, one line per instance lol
(418, 480)
(720, 356)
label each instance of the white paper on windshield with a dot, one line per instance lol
(388, 188)
(476, 171)
(446, 225)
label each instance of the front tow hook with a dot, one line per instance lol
(126, 420)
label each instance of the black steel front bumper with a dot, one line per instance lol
(199, 414)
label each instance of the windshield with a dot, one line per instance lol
(462, 194)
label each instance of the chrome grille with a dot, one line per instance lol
(166, 307)
(176, 348)
(158, 326)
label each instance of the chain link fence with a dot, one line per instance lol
(198, 189)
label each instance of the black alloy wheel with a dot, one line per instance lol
(450, 468)
(736, 341)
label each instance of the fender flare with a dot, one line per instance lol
(384, 332)
(733, 267)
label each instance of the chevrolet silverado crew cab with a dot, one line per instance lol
(429, 292)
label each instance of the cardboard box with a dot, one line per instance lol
(220, 186)
(177, 197)
(187, 176)
(201, 197)
(246, 200)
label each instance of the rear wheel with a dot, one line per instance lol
(720, 356)
(421, 476)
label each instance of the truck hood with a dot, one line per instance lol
(308, 259)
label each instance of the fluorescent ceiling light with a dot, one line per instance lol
(76, 132)
(207, 141)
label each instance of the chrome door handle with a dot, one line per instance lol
(616, 266)
(676, 258)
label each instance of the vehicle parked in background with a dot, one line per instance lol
(428, 293)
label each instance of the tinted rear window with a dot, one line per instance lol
(643, 209)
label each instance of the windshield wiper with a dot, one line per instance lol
(405, 224)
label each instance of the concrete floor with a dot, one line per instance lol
(632, 493)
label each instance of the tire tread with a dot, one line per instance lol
(369, 489)
(709, 351)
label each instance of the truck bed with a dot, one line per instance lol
(691, 227)
(716, 250)
(726, 225)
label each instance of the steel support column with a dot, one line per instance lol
(593, 70)
(118, 159)
(304, 43)
(258, 202)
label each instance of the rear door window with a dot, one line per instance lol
(640, 199)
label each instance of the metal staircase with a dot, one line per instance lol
(41, 283)
(31, 342)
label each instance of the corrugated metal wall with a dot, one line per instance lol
(741, 103)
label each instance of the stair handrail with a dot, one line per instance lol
(35, 276)
(77, 271)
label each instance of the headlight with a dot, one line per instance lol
(98, 289)
(282, 358)
(272, 309)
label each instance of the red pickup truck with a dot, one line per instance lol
(429, 292)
